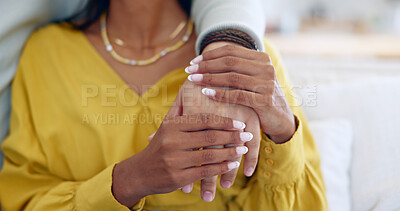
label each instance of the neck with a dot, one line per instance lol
(143, 24)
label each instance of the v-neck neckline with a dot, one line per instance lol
(117, 77)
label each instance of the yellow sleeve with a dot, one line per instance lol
(288, 175)
(26, 182)
(284, 179)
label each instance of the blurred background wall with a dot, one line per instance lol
(360, 28)
(343, 58)
(348, 15)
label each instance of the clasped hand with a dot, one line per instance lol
(170, 162)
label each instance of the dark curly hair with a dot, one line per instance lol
(94, 8)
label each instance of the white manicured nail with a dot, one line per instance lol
(195, 77)
(192, 69)
(208, 196)
(241, 150)
(249, 172)
(187, 189)
(233, 165)
(208, 92)
(246, 136)
(196, 60)
(226, 184)
(239, 125)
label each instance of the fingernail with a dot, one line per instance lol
(226, 184)
(238, 124)
(246, 136)
(192, 69)
(208, 196)
(196, 60)
(208, 92)
(195, 77)
(151, 137)
(249, 172)
(241, 150)
(233, 165)
(186, 189)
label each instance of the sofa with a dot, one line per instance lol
(353, 108)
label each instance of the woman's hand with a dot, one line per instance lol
(252, 78)
(193, 102)
(169, 162)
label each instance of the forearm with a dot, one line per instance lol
(244, 15)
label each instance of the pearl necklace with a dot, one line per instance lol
(151, 60)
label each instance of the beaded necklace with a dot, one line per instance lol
(151, 60)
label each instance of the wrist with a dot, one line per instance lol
(218, 44)
(126, 186)
(229, 35)
(286, 134)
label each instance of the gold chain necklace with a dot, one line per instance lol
(171, 37)
(151, 60)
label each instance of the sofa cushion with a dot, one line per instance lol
(370, 100)
(334, 140)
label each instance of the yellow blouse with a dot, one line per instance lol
(73, 119)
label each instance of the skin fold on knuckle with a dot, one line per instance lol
(206, 119)
(210, 137)
(208, 156)
(269, 71)
(233, 79)
(228, 49)
(221, 95)
(205, 172)
(265, 57)
(209, 183)
(207, 79)
(230, 176)
(230, 62)
(240, 97)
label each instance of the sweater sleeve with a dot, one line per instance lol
(286, 179)
(244, 15)
(288, 175)
(14, 31)
(27, 182)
